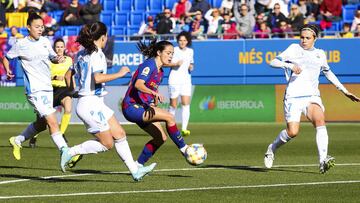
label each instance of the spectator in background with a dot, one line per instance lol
(64, 4)
(296, 19)
(181, 25)
(245, 21)
(285, 31)
(72, 14)
(263, 31)
(357, 31)
(51, 5)
(303, 8)
(33, 5)
(330, 11)
(147, 28)
(2, 12)
(181, 7)
(165, 23)
(213, 17)
(346, 33)
(313, 11)
(3, 33)
(90, 12)
(14, 35)
(50, 23)
(261, 6)
(202, 5)
(226, 6)
(197, 26)
(275, 18)
(356, 20)
(284, 5)
(227, 27)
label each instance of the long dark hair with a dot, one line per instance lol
(187, 35)
(313, 27)
(89, 33)
(150, 50)
(32, 16)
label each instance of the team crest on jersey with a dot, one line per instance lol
(146, 71)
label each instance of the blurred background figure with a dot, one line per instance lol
(148, 28)
(14, 35)
(180, 8)
(90, 13)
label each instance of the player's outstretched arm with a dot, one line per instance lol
(100, 77)
(335, 81)
(6, 64)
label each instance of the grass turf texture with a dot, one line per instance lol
(233, 171)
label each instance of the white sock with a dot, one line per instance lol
(26, 134)
(322, 141)
(185, 114)
(281, 139)
(88, 147)
(183, 149)
(124, 152)
(172, 110)
(58, 139)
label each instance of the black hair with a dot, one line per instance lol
(2, 24)
(59, 40)
(89, 33)
(187, 35)
(150, 50)
(32, 16)
(312, 27)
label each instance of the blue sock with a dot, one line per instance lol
(148, 151)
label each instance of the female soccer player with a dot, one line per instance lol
(141, 99)
(62, 92)
(35, 53)
(304, 62)
(91, 109)
(180, 79)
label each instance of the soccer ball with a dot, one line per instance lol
(195, 154)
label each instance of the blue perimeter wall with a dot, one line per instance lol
(240, 62)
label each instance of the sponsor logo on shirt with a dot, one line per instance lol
(146, 71)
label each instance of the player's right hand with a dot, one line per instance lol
(296, 69)
(9, 75)
(124, 70)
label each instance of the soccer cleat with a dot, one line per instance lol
(74, 160)
(16, 148)
(185, 133)
(65, 157)
(143, 171)
(328, 163)
(32, 142)
(269, 157)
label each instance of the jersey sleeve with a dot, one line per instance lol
(97, 63)
(14, 52)
(288, 54)
(324, 64)
(192, 56)
(52, 53)
(145, 72)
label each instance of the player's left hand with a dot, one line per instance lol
(149, 112)
(60, 59)
(352, 97)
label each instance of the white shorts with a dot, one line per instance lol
(293, 107)
(42, 102)
(180, 90)
(94, 113)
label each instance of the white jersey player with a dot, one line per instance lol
(91, 109)
(180, 79)
(302, 64)
(35, 53)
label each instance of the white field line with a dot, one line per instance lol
(182, 189)
(168, 170)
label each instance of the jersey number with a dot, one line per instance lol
(45, 100)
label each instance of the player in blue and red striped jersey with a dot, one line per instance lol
(141, 99)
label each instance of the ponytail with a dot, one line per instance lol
(89, 33)
(150, 50)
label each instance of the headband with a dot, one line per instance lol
(307, 28)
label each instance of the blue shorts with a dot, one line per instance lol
(134, 113)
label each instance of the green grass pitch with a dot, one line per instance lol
(233, 171)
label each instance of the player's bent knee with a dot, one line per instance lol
(40, 126)
(292, 133)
